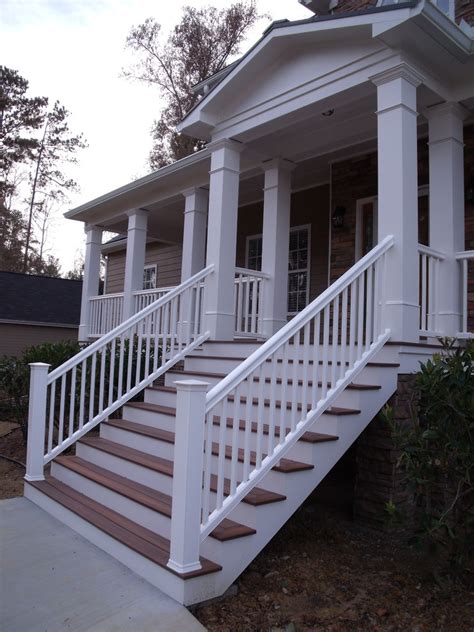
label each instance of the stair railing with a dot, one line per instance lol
(68, 402)
(276, 395)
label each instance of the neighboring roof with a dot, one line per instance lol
(39, 299)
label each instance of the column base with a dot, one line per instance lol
(221, 326)
(403, 320)
(83, 334)
(271, 326)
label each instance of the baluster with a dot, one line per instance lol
(121, 361)
(254, 304)
(111, 371)
(368, 309)
(173, 327)
(294, 385)
(197, 311)
(260, 416)
(248, 425)
(72, 401)
(272, 409)
(138, 369)
(146, 371)
(156, 337)
(165, 323)
(247, 306)
(92, 387)
(315, 372)
(52, 405)
(360, 316)
(343, 333)
(83, 393)
(221, 455)
(324, 373)
(131, 346)
(352, 324)
(335, 340)
(61, 409)
(305, 385)
(284, 383)
(240, 322)
(235, 440)
(423, 292)
(207, 466)
(102, 380)
(465, 283)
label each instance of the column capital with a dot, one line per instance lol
(445, 109)
(401, 71)
(194, 191)
(278, 163)
(137, 212)
(225, 143)
(88, 228)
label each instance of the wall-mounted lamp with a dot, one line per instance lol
(338, 217)
(469, 193)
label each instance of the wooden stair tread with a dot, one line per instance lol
(353, 386)
(143, 541)
(308, 437)
(337, 410)
(286, 465)
(155, 408)
(256, 496)
(151, 498)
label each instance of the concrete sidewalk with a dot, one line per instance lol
(52, 579)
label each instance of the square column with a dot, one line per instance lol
(194, 234)
(275, 243)
(134, 259)
(446, 160)
(398, 198)
(222, 238)
(90, 280)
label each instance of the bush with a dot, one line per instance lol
(437, 454)
(15, 375)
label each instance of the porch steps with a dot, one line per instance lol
(143, 541)
(116, 490)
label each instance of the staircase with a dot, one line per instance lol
(276, 419)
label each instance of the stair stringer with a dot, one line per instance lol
(299, 485)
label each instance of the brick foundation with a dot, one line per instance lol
(377, 479)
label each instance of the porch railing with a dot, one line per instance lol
(464, 259)
(429, 262)
(106, 313)
(89, 387)
(143, 298)
(333, 338)
(248, 301)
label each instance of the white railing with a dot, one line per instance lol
(464, 258)
(288, 382)
(89, 387)
(429, 262)
(106, 313)
(146, 297)
(248, 301)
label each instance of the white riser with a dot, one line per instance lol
(239, 349)
(135, 511)
(162, 398)
(135, 472)
(138, 441)
(210, 365)
(149, 418)
(186, 592)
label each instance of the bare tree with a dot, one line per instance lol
(200, 45)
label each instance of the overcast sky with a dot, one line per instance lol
(73, 51)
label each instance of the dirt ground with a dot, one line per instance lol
(11, 474)
(322, 572)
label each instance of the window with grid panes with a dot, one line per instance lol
(149, 278)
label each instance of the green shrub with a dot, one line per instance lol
(437, 454)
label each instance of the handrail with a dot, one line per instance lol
(465, 254)
(127, 324)
(252, 273)
(427, 250)
(154, 290)
(105, 296)
(222, 388)
(315, 356)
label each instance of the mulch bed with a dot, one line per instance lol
(324, 572)
(11, 474)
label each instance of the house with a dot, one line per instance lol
(36, 309)
(285, 281)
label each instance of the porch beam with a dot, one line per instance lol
(222, 238)
(275, 243)
(90, 281)
(446, 198)
(194, 233)
(398, 197)
(134, 259)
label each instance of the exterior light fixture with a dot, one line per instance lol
(338, 217)
(328, 113)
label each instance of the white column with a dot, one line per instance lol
(222, 238)
(446, 159)
(135, 259)
(36, 421)
(275, 243)
(90, 280)
(194, 234)
(398, 197)
(187, 476)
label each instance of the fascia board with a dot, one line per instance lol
(149, 179)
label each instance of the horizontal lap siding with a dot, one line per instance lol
(469, 179)
(167, 258)
(14, 339)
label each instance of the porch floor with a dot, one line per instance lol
(53, 579)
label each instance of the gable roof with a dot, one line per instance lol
(39, 299)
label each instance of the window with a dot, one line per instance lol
(149, 277)
(446, 6)
(298, 265)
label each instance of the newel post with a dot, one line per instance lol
(36, 421)
(187, 476)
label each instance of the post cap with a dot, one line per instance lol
(191, 385)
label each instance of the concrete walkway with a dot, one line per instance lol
(52, 579)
